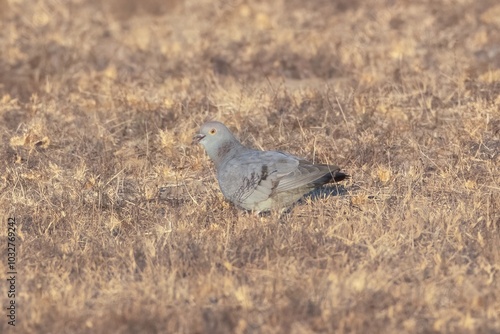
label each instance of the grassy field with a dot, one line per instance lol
(121, 227)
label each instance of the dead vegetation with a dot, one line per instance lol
(122, 227)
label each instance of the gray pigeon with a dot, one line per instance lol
(261, 180)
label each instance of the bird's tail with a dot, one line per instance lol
(339, 176)
(332, 174)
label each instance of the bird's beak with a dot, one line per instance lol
(197, 138)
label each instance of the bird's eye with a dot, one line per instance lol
(212, 132)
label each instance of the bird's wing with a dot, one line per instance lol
(306, 174)
(251, 177)
(256, 176)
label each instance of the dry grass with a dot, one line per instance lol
(122, 227)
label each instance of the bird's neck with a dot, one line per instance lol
(226, 151)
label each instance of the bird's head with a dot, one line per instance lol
(217, 140)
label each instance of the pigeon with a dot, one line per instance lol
(258, 180)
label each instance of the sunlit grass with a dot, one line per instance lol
(121, 224)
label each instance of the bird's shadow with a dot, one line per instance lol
(318, 193)
(324, 192)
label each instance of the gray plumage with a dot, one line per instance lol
(261, 180)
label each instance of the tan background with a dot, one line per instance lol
(122, 227)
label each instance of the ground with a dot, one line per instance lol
(120, 224)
